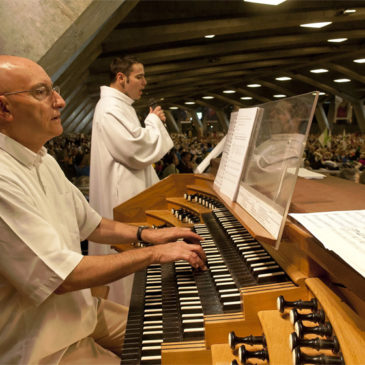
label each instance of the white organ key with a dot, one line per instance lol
(263, 268)
(152, 333)
(232, 295)
(188, 292)
(185, 299)
(193, 315)
(190, 307)
(150, 358)
(192, 330)
(197, 320)
(190, 303)
(258, 264)
(228, 290)
(150, 348)
(148, 328)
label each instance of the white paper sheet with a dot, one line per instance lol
(342, 232)
(235, 149)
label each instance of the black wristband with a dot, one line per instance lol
(139, 232)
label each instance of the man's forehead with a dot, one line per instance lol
(21, 71)
(137, 68)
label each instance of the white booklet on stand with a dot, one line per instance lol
(234, 154)
(342, 232)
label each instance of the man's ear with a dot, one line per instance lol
(5, 113)
(121, 78)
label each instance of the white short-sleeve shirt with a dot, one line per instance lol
(43, 218)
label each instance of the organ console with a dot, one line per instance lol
(181, 316)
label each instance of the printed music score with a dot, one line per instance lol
(342, 232)
(235, 149)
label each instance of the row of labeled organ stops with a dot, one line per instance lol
(317, 334)
(187, 216)
(204, 200)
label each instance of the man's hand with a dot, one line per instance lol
(165, 235)
(175, 251)
(159, 112)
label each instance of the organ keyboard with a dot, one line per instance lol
(180, 316)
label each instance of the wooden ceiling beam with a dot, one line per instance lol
(133, 37)
(101, 65)
(263, 43)
(345, 71)
(321, 86)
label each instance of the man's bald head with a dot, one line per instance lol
(30, 109)
(14, 72)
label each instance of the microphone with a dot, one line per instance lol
(153, 103)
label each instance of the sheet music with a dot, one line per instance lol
(234, 154)
(228, 141)
(342, 232)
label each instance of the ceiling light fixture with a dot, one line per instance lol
(208, 97)
(283, 78)
(315, 25)
(266, 2)
(360, 60)
(246, 98)
(337, 40)
(319, 70)
(173, 107)
(189, 102)
(209, 36)
(342, 80)
(279, 96)
(349, 11)
(229, 91)
(253, 85)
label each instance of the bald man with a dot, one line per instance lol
(48, 315)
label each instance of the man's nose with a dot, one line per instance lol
(58, 100)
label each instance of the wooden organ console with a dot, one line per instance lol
(182, 317)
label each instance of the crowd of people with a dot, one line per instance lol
(342, 155)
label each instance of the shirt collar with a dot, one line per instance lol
(21, 153)
(106, 91)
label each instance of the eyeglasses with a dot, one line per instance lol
(40, 93)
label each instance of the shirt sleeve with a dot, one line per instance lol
(33, 257)
(129, 143)
(87, 218)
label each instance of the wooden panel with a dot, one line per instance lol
(263, 297)
(183, 353)
(329, 194)
(348, 327)
(277, 329)
(133, 210)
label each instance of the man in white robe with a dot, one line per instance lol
(122, 151)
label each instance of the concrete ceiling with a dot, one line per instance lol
(253, 44)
